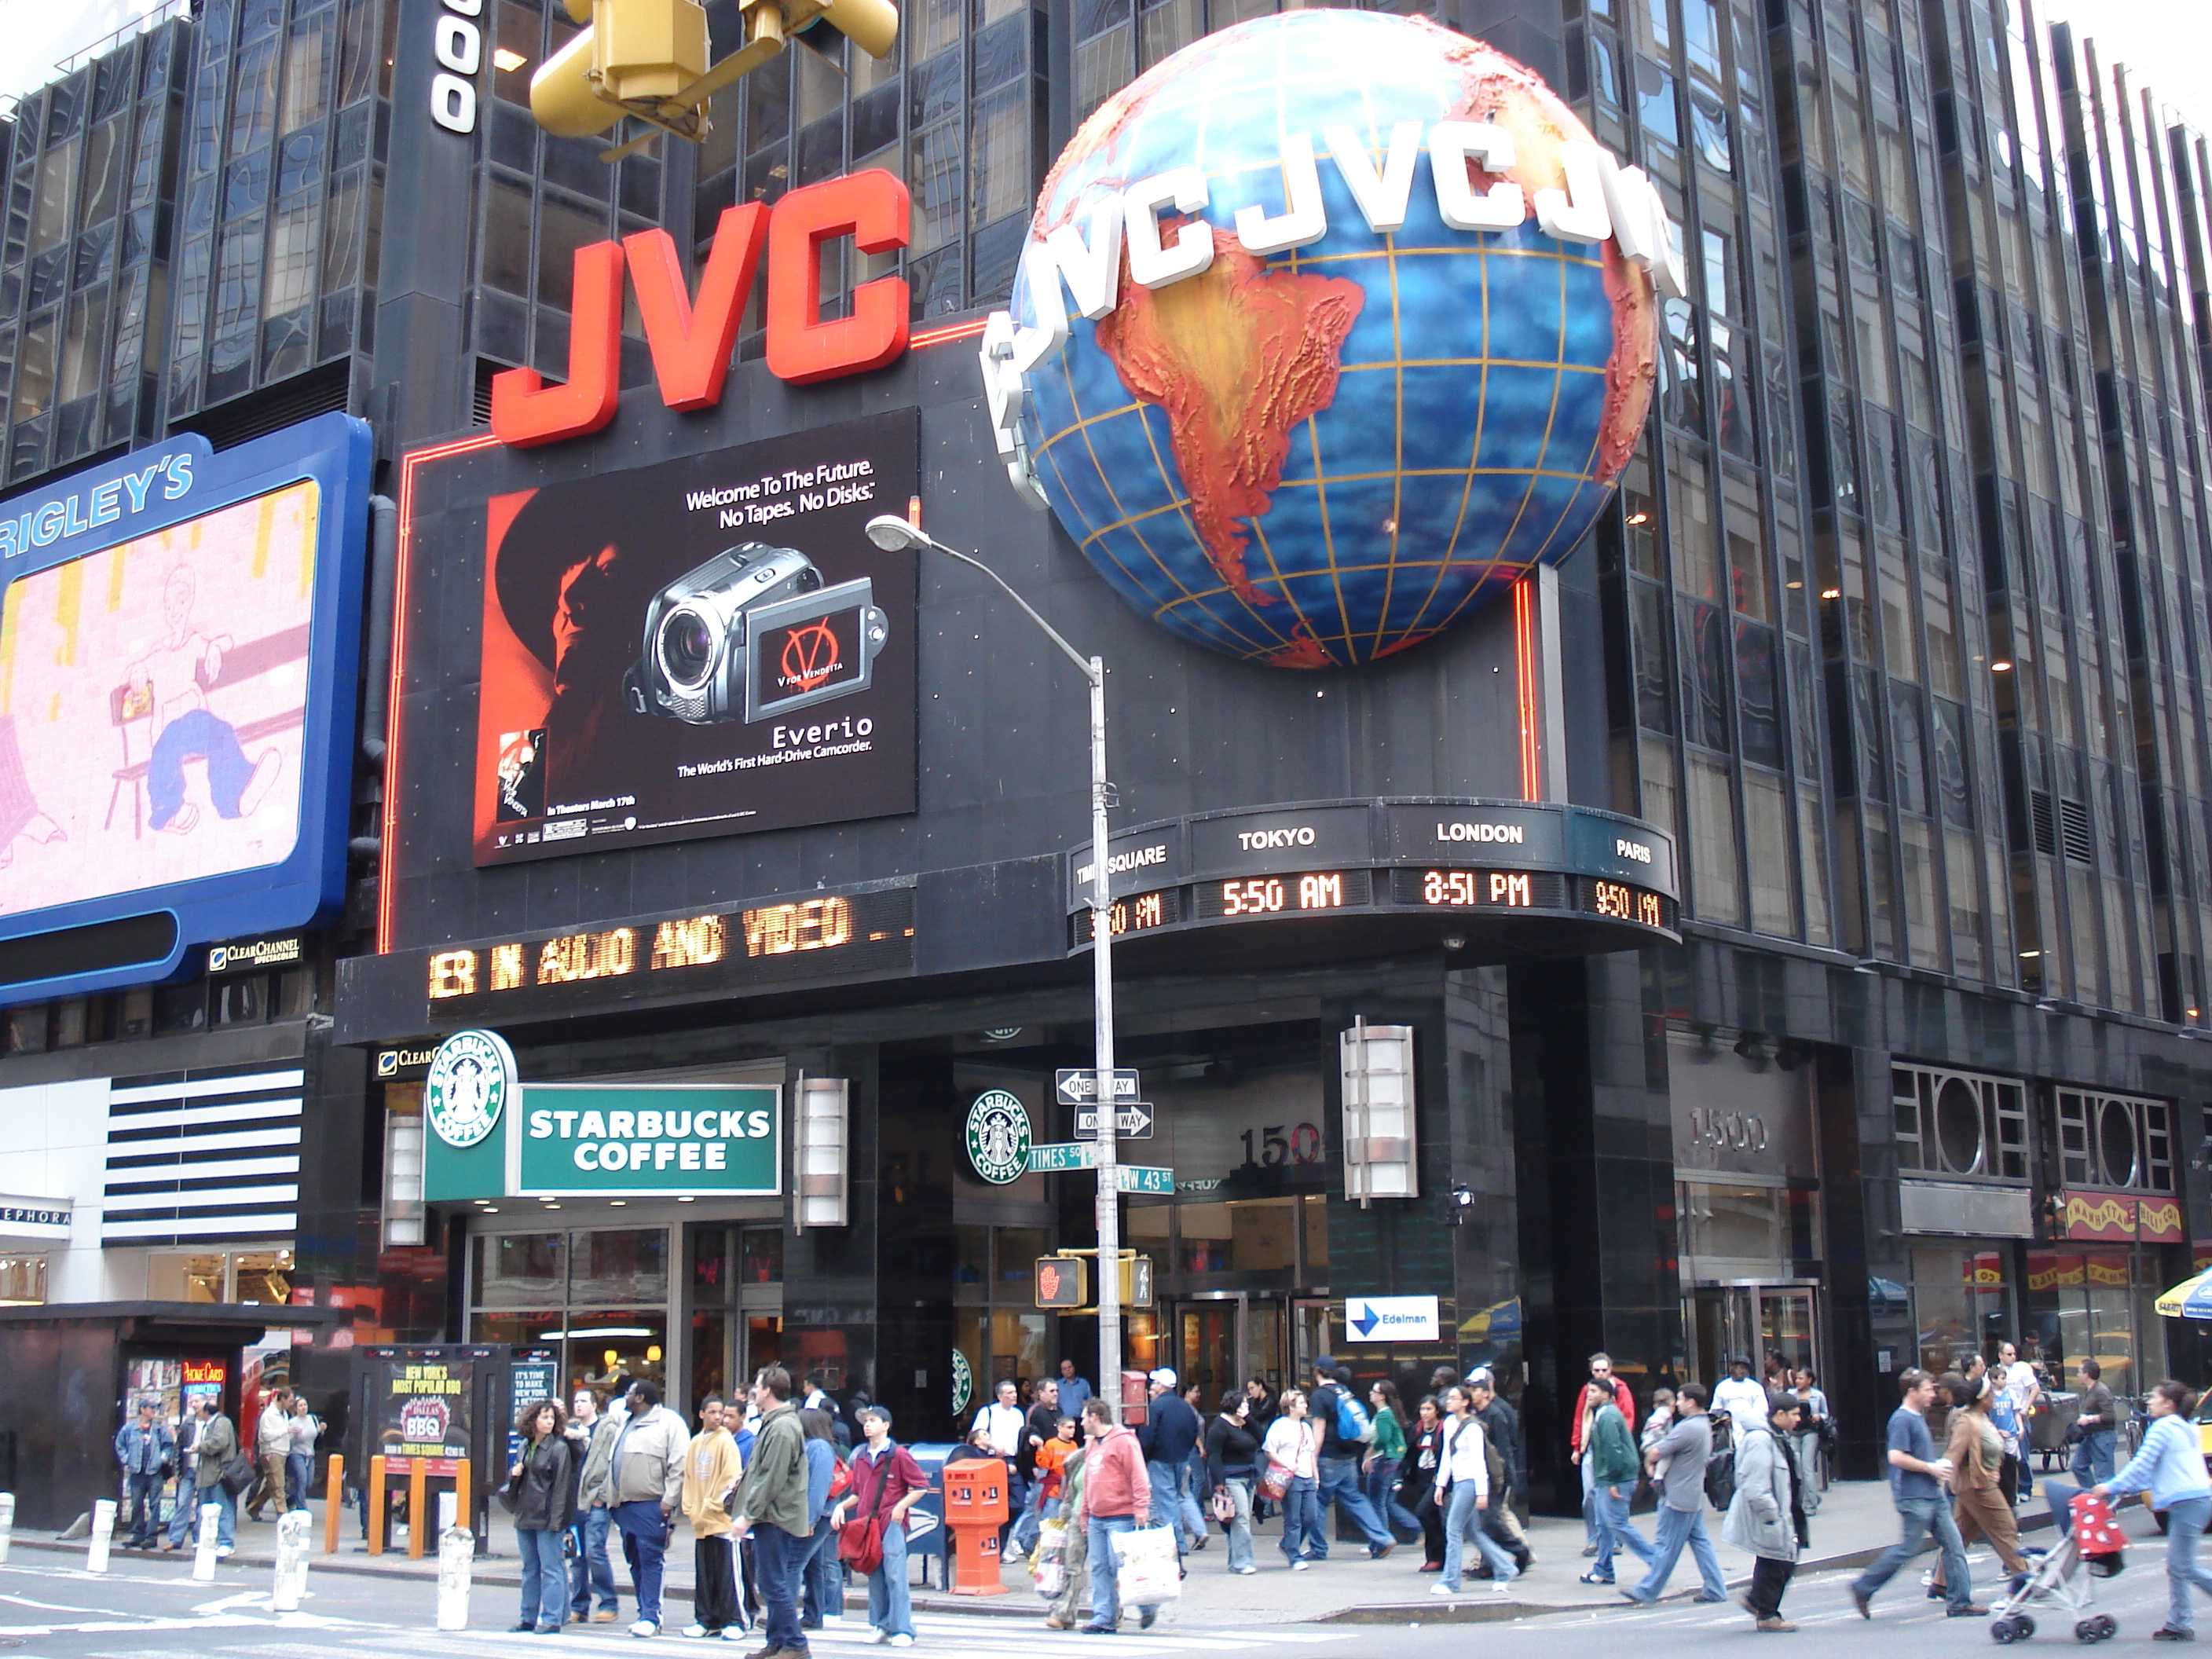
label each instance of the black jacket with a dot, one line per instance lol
(1230, 1446)
(1171, 1431)
(544, 1492)
(1502, 1424)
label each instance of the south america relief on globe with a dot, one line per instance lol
(1330, 326)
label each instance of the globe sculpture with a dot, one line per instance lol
(1316, 457)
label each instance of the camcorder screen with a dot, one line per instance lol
(704, 646)
(153, 697)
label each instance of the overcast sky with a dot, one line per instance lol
(2170, 40)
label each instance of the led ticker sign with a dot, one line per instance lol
(815, 936)
(1286, 895)
(1388, 858)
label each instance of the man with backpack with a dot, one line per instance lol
(1345, 1431)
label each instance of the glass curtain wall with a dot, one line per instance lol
(597, 1297)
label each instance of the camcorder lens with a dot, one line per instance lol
(687, 645)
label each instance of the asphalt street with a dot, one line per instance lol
(153, 1610)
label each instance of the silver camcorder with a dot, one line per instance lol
(754, 632)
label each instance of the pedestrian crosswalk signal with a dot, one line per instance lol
(1062, 1281)
(648, 59)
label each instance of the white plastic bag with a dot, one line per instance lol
(1146, 1569)
(1048, 1567)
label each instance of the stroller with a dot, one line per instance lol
(2088, 1549)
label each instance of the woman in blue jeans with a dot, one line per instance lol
(541, 1484)
(1292, 1452)
(2170, 1468)
(1464, 1493)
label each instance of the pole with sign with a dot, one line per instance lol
(888, 531)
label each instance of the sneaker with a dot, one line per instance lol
(643, 1628)
(1246, 1573)
(695, 1633)
(1379, 1551)
(1967, 1610)
(1146, 1616)
(1593, 1578)
(901, 1641)
(1776, 1626)
(1300, 1566)
(737, 1633)
(223, 1553)
(1440, 1588)
(1502, 1588)
(2167, 1633)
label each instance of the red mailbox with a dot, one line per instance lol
(975, 1508)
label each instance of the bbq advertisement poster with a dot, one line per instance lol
(707, 645)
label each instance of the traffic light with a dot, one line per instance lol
(1062, 1281)
(649, 58)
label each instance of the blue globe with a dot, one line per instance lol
(1313, 457)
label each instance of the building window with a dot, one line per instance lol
(599, 1297)
(2115, 1140)
(1960, 1125)
(246, 1278)
(22, 1280)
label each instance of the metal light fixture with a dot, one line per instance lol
(1379, 1144)
(823, 1115)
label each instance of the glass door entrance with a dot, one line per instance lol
(1750, 1321)
(1222, 1339)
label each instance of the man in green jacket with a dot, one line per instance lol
(771, 1505)
(1614, 1466)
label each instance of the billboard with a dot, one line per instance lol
(179, 636)
(704, 647)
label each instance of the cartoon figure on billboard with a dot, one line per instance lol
(165, 683)
(152, 699)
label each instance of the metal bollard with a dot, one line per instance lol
(457, 1555)
(292, 1530)
(203, 1552)
(103, 1535)
(7, 1522)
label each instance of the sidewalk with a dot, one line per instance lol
(1856, 1522)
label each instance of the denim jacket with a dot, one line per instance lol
(142, 1451)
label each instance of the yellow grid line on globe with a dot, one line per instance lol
(1474, 454)
(1352, 368)
(1195, 595)
(1550, 420)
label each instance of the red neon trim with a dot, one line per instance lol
(1524, 675)
(945, 336)
(390, 839)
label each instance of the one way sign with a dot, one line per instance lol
(1133, 1120)
(1080, 1088)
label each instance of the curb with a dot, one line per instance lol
(1014, 1605)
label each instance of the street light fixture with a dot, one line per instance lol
(894, 534)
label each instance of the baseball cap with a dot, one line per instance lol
(1324, 1364)
(1165, 1377)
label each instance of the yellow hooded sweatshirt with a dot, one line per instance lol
(712, 1469)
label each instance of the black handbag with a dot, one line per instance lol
(239, 1474)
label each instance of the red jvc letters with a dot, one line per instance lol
(691, 338)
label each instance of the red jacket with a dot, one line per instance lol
(1113, 1481)
(1621, 1397)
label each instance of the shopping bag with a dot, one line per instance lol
(1146, 1571)
(1049, 1566)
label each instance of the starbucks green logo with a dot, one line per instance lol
(998, 1137)
(470, 1077)
(963, 1382)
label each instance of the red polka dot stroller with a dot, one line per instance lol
(2089, 1548)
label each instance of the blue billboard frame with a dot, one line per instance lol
(148, 491)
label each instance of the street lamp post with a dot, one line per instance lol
(893, 533)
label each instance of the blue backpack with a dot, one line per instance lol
(1352, 1419)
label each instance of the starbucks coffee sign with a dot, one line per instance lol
(998, 1137)
(470, 1077)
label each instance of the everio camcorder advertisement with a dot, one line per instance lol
(706, 647)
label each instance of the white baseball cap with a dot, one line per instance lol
(1165, 1377)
